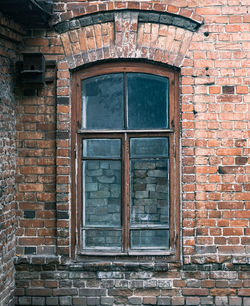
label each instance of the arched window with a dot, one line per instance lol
(126, 172)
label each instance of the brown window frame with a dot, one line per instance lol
(172, 133)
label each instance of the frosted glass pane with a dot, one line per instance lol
(102, 102)
(99, 148)
(147, 98)
(149, 147)
(141, 239)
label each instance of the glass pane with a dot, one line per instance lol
(149, 203)
(149, 147)
(102, 102)
(147, 97)
(101, 238)
(102, 193)
(99, 148)
(141, 239)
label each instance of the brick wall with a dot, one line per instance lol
(9, 38)
(36, 208)
(210, 44)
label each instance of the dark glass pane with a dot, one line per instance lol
(149, 200)
(149, 239)
(102, 102)
(102, 193)
(149, 147)
(147, 97)
(101, 238)
(106, 148)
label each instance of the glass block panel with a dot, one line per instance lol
(148, 147)
(101, 238)
(101, 148)
(149, 239)
(102, 193)
(102, 102)
(147, 98)
(149, 202)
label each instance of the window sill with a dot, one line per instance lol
(129, 253)
(124, 264)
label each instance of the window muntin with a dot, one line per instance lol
(133, 239)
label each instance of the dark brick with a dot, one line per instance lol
(166, 19)
(29, 214)
(62, 27)
(153, 17)
(143, 17)
(86, 21)
(62, 215)
(74, 24)
(38, 301)
(79, 301)
(52, 301)
(164, 300)
(65, 300)
(62, 135)
(64, 291)
(92, 292)
(63, 100)
(93, 301)
(29, 250)
(228, 89)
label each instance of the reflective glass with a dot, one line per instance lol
(147, 99)
(149, 147)
(149, 239)
(102, 102)
(106, 148)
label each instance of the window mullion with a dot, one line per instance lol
(126, 194)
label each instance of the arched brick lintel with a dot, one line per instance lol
(125, 36)
(184, 19)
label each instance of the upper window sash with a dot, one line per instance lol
(125, 101)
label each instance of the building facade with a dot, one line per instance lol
(124, 152)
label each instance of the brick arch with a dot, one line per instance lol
(157, 36)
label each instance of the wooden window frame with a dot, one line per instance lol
(172, 132)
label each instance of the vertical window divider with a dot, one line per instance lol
(126, 176)
(126, 192)
(125, 101)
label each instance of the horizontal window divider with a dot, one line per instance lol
(150, 158)
(101, 158)
(151, 131)
(101, 227)
(151, 226)
(147, 252)
(102, 252)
